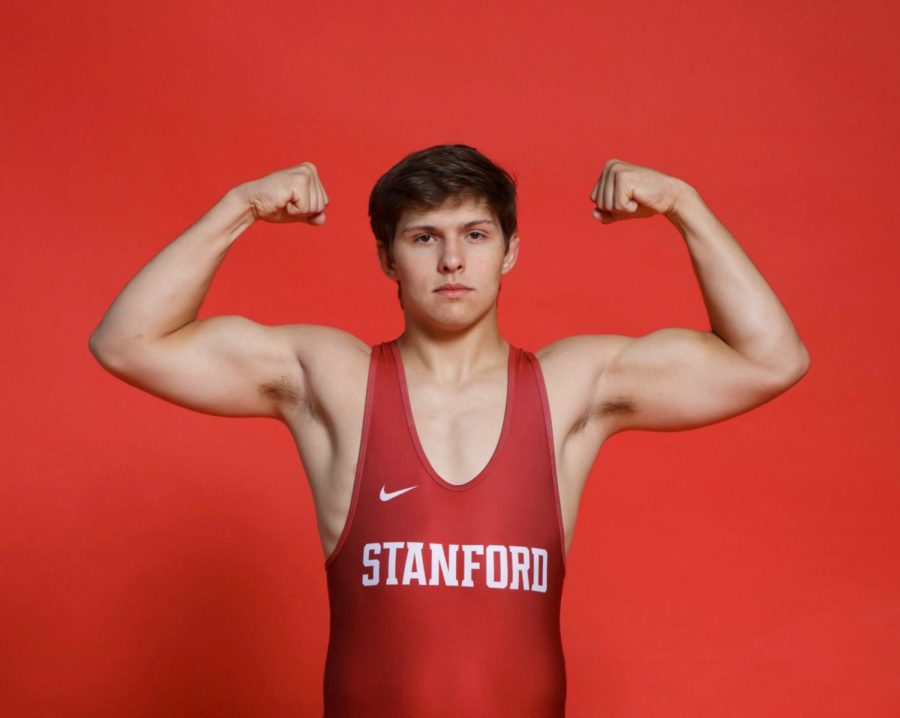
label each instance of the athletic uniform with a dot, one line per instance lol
(445, 599)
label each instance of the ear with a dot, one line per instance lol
(384, 261)
(512, 254)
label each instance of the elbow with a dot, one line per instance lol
(92, 345)
(102, 351)
(801, 362)
(804, 361)
(786, 367)
(794, 370)
(95, 346)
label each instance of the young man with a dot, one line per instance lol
(447, 465)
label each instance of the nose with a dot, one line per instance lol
(451, 255)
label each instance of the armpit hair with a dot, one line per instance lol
(287, 393)
(613, 406)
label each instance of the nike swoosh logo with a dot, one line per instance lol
(387, 496)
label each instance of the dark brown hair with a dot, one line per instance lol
(427, 178)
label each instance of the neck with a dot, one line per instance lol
(453, 357)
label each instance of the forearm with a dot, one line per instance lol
(167, 293)
(743, 310)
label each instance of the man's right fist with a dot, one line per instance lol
(291, 195)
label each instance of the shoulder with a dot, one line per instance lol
(314, 343)
(331, 367)
(573, 368)
(581, 359)
(580, 350)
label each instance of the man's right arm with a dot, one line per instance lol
(151, 338)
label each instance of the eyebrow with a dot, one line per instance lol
(432, 228)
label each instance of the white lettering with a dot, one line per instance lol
(414, 556)
(519, 566)
(539, 574)
(369, 562)
(515, 568)
(392, 547)
(500, 552)
(469, 563)
(439, 563)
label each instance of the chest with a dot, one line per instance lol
(457, 429)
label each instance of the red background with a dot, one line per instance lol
(158, 561)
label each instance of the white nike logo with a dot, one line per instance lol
(387, 496)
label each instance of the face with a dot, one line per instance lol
(457, 243)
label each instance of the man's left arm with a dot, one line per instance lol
(676, 378)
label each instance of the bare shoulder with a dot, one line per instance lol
(572, 369)
(318, 343)
(671, 379)
(581, 349)
(333, 367)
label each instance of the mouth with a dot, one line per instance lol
(453, 290)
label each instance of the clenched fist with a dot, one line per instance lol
(291, 195)
(627, 191)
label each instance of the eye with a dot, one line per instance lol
(420, 237)
(480, 235)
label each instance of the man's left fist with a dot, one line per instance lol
(626, 191)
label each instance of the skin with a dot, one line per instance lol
(313, 378)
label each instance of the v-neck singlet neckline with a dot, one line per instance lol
(414, 434)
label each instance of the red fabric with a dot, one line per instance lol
(408, 649)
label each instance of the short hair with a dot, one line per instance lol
(427, 178)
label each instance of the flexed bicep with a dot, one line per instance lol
(675, 379)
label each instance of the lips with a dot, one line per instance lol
(451, 287)
(453, 290)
